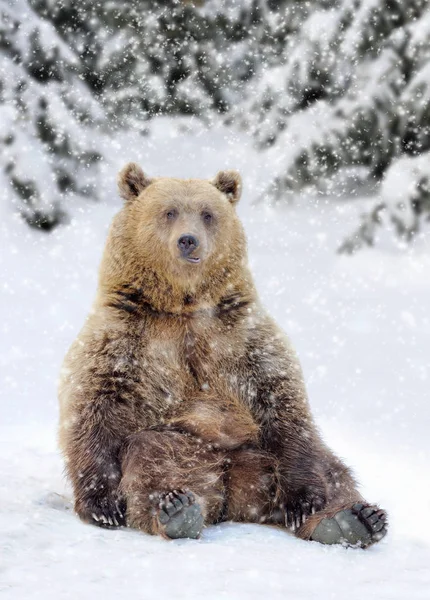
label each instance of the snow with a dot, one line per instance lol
(361, 328)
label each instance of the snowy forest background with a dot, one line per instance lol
(335, 93)
(324, 107)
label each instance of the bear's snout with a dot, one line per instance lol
(187, 243)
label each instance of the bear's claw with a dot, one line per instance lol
(299, 509)
(105, 512)
(179, 515)
(361, 526)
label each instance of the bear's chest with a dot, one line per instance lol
(195, 350)
(195, 341)
(209, 406)
(196, 358)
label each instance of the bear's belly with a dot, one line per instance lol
(189, 371)
(216, 417)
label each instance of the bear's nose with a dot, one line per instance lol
(187, 243)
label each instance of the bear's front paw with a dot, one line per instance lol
(305, 502)
(103, 511)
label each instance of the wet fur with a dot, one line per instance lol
(181, 380)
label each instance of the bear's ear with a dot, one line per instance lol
(230, 184)
(131, 181)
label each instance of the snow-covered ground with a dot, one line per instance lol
(362, 329)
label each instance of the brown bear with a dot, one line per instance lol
(182, 403)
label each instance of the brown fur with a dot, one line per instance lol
(172, 461)
(252, 487)
(179, 379)
(216, 419)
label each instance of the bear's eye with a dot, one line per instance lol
(171, 214)
(207, 217)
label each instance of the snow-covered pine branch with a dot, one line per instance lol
(350, 89)
(404, 203)
(46, 148)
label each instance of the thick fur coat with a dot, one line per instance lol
(179, 379)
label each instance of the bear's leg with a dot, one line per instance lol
(172, 483)
(347, 519)
(252, 487)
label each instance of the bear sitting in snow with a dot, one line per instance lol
(182, 402)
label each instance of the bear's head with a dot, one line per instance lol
(178, 240)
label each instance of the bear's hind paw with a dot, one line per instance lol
(179, 515)
(359, 526)
(374, 518)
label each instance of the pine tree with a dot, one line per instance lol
(46, 113)
(405, 190)
(73, 70)
(143, 58)
(350, 89)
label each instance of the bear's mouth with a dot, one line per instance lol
(193, 259)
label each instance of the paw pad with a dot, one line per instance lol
(360, 526)
(179, 515)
